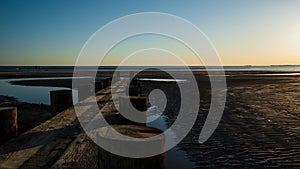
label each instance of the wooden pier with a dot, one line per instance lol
(60, 142)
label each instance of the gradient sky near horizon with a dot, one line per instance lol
(244, 32)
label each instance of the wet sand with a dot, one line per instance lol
(259, 127)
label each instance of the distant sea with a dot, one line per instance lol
(40, 94)
(195, 68)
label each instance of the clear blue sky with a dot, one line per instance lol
(52, 32)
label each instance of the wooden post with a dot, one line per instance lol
(99, 86)
(8, 123)
(113, 117)
(134, 80)
(109, 160)
(135, 90)
(131, 75)
(139, 103)
(60, 100)
(85, 91)
(117, 118)
(102, 84)
(107, 82)
(117, 76)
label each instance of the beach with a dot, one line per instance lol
(259, 127)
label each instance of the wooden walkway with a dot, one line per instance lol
(57, 143)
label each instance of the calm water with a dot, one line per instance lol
(39, 94)
(176, 158)
(30, 94)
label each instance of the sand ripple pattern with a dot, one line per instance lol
(260, 127)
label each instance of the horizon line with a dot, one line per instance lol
(147, 65)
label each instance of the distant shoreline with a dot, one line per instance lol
(243, 67)
(10, 73)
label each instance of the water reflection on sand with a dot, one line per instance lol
(30, 94)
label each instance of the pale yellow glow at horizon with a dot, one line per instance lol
(151, 42)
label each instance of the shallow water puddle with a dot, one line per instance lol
(176, 158)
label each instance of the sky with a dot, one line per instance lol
(244, 32)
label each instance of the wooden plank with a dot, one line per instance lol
(39, 147)
(83, 152)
